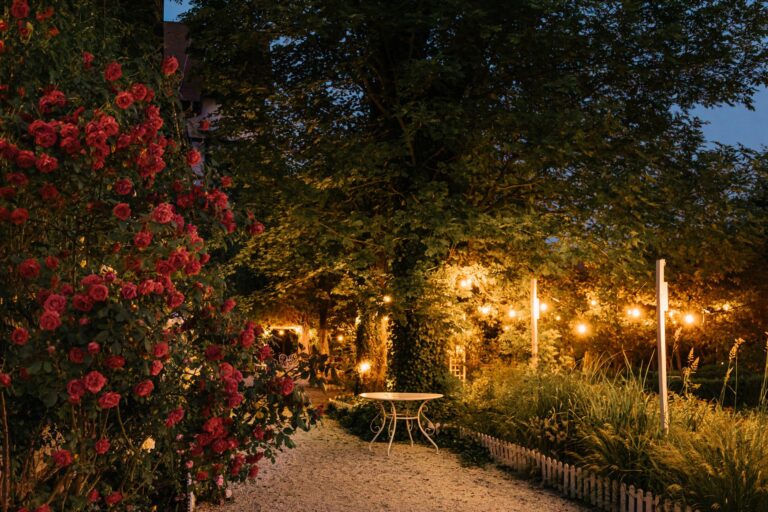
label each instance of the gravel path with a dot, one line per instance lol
(333, 471)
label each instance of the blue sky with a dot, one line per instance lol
(729, 125)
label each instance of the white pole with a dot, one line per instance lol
(534, 324)
(662, 305)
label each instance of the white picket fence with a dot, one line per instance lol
(574, 482)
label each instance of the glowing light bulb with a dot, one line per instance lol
(726, 307)
(582, 329)
(543, 307)
(387, 299)
(689, 319)
(512, 313)
(484, 310)
(593, 303)
(280, 332)
(634, 312)
(558, 317)
(365, 366)
(466, 284)
(340, 337)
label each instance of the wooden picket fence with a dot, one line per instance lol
(574, 482)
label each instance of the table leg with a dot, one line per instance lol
(419, 414)
(394, 427)
(383, 414)
(409, 426)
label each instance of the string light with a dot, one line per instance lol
(484, 310)
(582, 329)
(634, 312)
(689, 319)
(340, 337)
(593, 303)
(512, 313)
(466, 284)
(387, 299)
(543, 307)
(558, 318)
(280, 332)
(365, 366)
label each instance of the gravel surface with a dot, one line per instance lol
(331, 470)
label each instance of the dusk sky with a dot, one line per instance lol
(729, 125)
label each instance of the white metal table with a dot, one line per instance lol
(405, 414)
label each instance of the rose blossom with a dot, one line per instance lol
(20, 336)
(170, 65)
(75, 390)
(76, 355)
(115, 497)
(142, 239)
(46, 163)
(144, 388)
(113, 71)
(50, 321)
(174, 417)
(52, 262)
(56, 303)
(286, 388)
(122, 211)
(82, 302)
(20, 9)
(62, 458)
(123, 186)
(94, 381)
(29, 268)
(160, 350)
(93, 348)
(193, 157)
(124, 99)
(163, 213)
(114, 362)
(5, 380)
(19, 216)
(109, 400)
(175, 300)
(88, 60)
(98, 292)
(102, 446)
(129, 291)
(155, 368)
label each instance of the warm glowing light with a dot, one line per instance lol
(280, 332)
(689, 319)
(726, 307)
(593, 303)
(634, 312)
(582, 329)
(672, 313)
(558, 317)
(543, 307)
(512, 313)
(506, 328)
(340, 337)
(387, 299)
(365, 366)
(484, 310)
(466, 284)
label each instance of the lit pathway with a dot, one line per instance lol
(333, 471)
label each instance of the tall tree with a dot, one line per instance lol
(398, 133)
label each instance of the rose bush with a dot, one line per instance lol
(123, 365)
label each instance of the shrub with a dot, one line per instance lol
(123, 365)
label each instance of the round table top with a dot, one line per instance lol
(386, 395)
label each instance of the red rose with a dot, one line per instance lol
(56, 303)
(123, 187)
(144, 388)
(93, 348)
(114, 498)
(174, 417)
(160, 350)
(155, 368)
(170, 65)
(25, 159)
(142, 239)
(234, 400)
(46, 163)
(113, 71)
(5, 380)
(122, 211)
(286, 388)
(124, 99)
(102, 446)
(163, 213)
(82, 303)
(228, 306)
(52, 262)
(128, 291)
(50, 321)
(19, 216)
(201, 476)
(44, 15)
(62, 458)
(76, 390)
(76, 355)
(265, 353)
(94, 496)
(98, 292)
(87, 60)
(193, 157)
(44, 133)
(204, 125)
(214, 353)
(255, 228)
(114, 362)
(175, 300)
(20, 336)
(91, 279)
(94, 381)
(139, 92)
(20, 9)
(253, 472)
(109, 400)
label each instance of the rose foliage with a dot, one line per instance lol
(124, 369)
